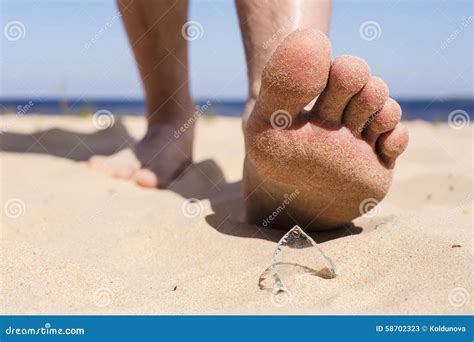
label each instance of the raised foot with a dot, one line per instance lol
(315, 167)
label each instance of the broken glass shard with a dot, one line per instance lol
(298, 254)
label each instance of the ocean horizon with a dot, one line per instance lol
(413, 109)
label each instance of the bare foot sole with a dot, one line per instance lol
(316, 167)
(154, 161)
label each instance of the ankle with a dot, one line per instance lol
(169, 112)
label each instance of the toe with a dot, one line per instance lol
(100, 163)
(364, 104)
(384, 121)
(296, 73)
(124, 172)
(96, 161)
(391, 144)
(146, 178)
(348, 75)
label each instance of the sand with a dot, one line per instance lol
(84, 243)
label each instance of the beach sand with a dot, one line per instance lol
(74, 241)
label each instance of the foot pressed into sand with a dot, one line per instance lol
(313, 167)
(154, 161)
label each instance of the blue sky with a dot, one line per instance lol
(425, 48)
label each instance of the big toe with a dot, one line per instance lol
(296, 73)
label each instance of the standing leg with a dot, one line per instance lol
(161, 53)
